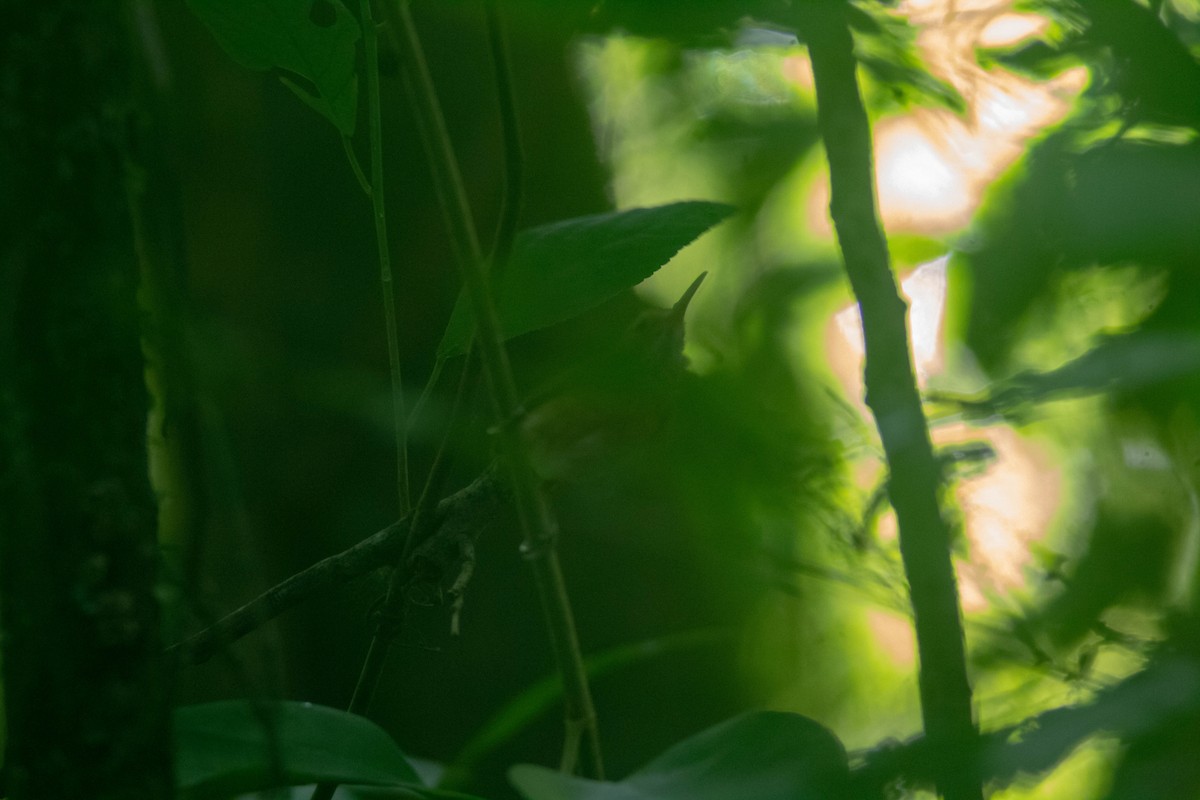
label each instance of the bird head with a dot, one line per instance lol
(609, 406)
(656, 335)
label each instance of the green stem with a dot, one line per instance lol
(539, 525)
(373, 667)
(514, 169)
(914, 476)
(355, 167)
(399, 416)
(514, 156)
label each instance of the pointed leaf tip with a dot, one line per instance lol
(560, 270)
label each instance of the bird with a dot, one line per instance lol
(602, 410)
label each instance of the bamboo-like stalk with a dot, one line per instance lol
(914, 477)
(539, 525)
(387, 285)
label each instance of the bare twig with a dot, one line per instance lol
(466, 513)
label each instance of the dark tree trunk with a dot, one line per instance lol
(85, 688)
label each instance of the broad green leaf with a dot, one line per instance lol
(560, 270)
(401, 793)
(359, 792)
(232, 747)
(313, 39)
(766, 755)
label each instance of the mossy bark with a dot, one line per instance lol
(85, 685)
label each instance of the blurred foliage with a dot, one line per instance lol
(558, 271)
(235, 747)
(766, 755)
(745, 557)
(317, 44)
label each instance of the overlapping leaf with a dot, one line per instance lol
(312, 39)
(560, 270)
(232, 747)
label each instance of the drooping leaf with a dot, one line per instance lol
(1139, 706)
(762, 755)
(312, 39)
(232, 747)
(560, 270)
(1128, 362)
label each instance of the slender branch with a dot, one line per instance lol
(399, 416)
(514, 155)
(467, 512)
(538, 522)
(394, 599)
(514, 171)
(377, 550)
(914, 477)
(419, 536)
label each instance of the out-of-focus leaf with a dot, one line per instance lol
(560, 270)
(712, 23)
(1118, 363)
(1153, 70)
(540, 697)
(402, 793)
(1036, 59)
(1135, 201)
(763, 755)
(1132, 708)
(360, 792)
(228, 748)
(1128, 562)
(759, 146)
(908, 250)
(885, 45)
(313, 39)
(1119, 203)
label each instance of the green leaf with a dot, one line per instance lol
(560, 270)
(401, 793)
(313, 39)
(766, 755)
(909, 250)
(232, 747)
(1125, 362)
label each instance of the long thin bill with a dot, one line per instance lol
(680, 307)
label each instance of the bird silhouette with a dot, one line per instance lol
(600, 411)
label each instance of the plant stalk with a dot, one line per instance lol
(539, 526)
(399, 415)
(914, 476)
